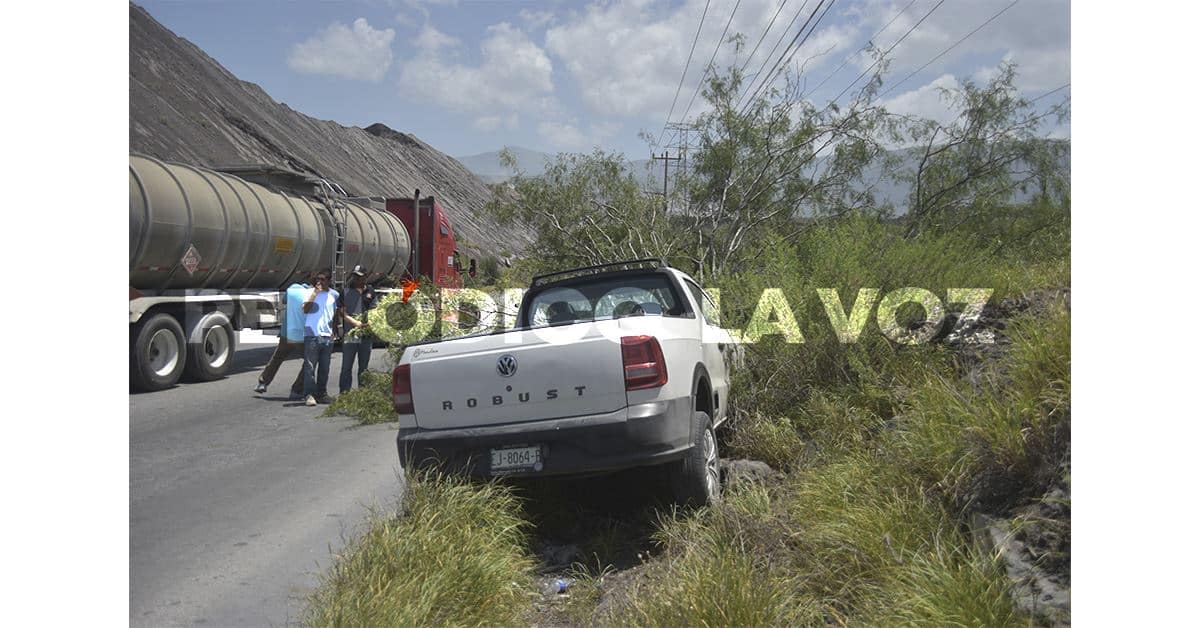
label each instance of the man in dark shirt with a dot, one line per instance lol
(356, 299)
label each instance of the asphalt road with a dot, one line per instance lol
(237, 499)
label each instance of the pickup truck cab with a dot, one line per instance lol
(609, 367)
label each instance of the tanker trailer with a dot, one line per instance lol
(211, 253)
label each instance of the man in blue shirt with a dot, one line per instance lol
(319, 308)
(291, 340)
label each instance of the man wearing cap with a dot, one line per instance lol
(352, 309)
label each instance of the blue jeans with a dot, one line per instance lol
(317, 350)
(360, 349)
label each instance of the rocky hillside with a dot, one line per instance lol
(184, 106)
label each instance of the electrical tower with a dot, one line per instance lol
(681, 143)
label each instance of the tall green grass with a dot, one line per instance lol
(989, 442)
(456, 557)
(887, 448)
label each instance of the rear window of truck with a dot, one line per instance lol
(605, 299)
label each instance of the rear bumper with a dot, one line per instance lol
(643, 434)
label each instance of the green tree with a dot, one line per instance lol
(777, 163)
(587, 209)
(993, 147)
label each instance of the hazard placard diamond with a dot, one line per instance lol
(191, 259)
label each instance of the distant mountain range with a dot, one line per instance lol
(533, 162)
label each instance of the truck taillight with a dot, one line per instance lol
(402, 399)
(645, 367)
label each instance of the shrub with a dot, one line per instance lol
(370, 403)
(454, 557)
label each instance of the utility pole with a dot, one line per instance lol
(667, 159)
(682, 133)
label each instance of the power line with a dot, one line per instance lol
(948, 49)
(763, 36)
(685, 68)
(759, 74)
(889, 50)
(869, 40)
(708, 67)
(794, 47)
(1056, 89)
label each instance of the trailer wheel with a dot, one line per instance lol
(211, 344)
(696, 480)
(157, 353)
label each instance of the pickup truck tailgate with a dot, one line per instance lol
(518, 376)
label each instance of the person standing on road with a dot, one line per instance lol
(352, 309)
(319, 309)
(291, 340)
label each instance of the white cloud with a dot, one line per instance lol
(604, 130)
(513, 73)
(536, 19)
(1034, 35)
(652, 41)
(491, 123)
(563, 136)
(431, 40)
(355, 52)
(925, 101)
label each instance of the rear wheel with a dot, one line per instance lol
(210, 352)
(696, 480)
(157, 353)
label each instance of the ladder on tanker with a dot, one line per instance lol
(339, 214)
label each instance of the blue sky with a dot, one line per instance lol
(470, 76)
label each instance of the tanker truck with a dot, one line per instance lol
(212, 251)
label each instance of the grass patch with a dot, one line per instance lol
(987, 443)
(455, 557)
(868, 526)
(722, 566)
(772, 440)
(954, 589)
(369, 403)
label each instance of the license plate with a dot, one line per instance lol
(514, 458)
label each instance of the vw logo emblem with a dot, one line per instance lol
(506, 366)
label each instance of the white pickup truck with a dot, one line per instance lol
(609, 367)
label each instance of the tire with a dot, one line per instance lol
(211, 345)
(157, 353)
(696, 480)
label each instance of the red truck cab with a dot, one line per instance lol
(434, 248)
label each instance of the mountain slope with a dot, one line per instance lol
(184, 106)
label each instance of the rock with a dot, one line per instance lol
(734, 472)
(556, 555)
(1036, 588)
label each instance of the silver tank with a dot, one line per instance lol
(239, 235)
